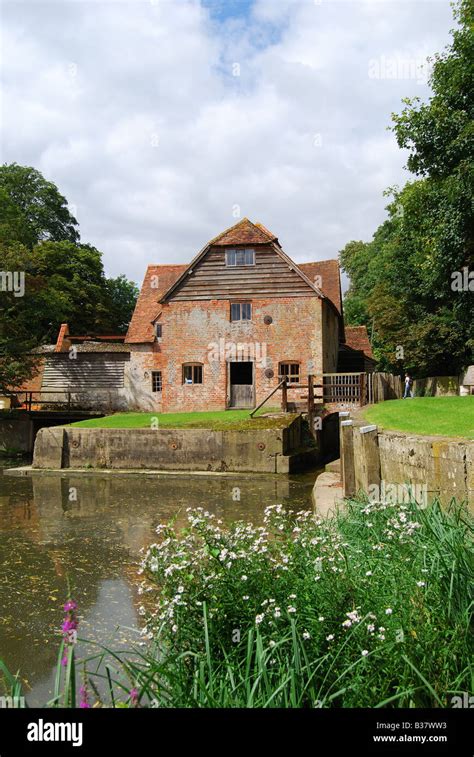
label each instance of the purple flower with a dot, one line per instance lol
(84, 702)
(134, 697)
(69, 624)
(68, 628)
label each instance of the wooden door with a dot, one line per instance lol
(241, 382)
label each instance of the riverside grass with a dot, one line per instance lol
(370, 608)
(429, 416)
(217, 420)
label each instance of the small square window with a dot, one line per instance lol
(241, 311)
(240, 257)
(290, 371)
(156, 382)
(192, 374)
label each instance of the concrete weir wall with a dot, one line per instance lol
(370, 456)
(275, 450)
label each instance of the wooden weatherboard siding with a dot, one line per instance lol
(271, 276)
(87, 371)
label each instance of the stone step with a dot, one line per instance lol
(333, 467)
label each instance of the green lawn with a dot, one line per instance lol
(432, 416)
(216, 420)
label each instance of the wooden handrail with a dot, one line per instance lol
(268, 397)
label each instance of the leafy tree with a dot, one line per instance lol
(121, 296)
(402, 281)
(32, 208)
(439, 134)
(64, 280)
(16, 339)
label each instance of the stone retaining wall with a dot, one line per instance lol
(370, 456)
(263, 450)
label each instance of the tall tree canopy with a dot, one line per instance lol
(64, 280)
(32, 209)
(410, 284)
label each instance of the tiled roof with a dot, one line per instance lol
(329, 281)
(267, 231)
(91, 346)
(244, 232)
(147, 307)
(357, 338)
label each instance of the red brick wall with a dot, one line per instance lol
(192, 329)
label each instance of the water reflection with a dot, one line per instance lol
(90, 530)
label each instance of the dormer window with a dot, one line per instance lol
(240, 257)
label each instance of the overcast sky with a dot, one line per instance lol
(162, 120)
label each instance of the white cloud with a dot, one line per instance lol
(133, 110)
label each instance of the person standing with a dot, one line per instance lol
(408, 384)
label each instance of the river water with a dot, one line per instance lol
(88, 531)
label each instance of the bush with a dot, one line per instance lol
(369, 608)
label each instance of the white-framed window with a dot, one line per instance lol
(192, 373)
(156, 381)
(290, 371)
(240, 257)
(240, 311)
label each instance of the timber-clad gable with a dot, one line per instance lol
(212, 279)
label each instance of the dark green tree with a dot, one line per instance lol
(32, 209)
(121, 296)
(63, 280)
(403, 281)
